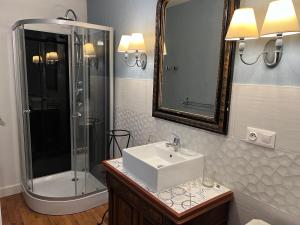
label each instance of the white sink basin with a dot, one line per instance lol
(160, 167)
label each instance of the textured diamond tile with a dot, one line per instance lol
(272, 177)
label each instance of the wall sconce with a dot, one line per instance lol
(89, 50)
(51, 57)
(280, 20)
(36, 59)
(134, 44)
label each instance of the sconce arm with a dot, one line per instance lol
(249, 63)
(273, 49)
(277, 56)
(140, 60)
(277, 53)
(242, 45)
(125, 60)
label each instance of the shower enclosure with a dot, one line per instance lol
(64, 88)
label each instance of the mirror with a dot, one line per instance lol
(193, 63)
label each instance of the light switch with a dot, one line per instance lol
(261, 137)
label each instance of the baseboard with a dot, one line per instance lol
(10, 190)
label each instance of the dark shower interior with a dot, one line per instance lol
(48, 91)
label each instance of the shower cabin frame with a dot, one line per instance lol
(43, 204)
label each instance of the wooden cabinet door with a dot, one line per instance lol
(144, 221)
(123, 212)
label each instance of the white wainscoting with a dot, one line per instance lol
(269, 178)
(275, 108)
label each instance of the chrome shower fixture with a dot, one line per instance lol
(66, 17)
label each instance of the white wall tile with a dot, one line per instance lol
(275, 108)
(245, 208)
(268, 177)
(134, 94)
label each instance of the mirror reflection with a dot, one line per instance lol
(192, 43)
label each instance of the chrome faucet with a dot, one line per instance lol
(176, 143)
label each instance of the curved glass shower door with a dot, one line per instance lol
(24, 111)
(90, 65)
(64, 80)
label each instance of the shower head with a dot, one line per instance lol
(66, 17)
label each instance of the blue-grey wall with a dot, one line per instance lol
(128, 16)
(258, 193)
(286, 73)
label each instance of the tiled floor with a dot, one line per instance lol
(15, 212)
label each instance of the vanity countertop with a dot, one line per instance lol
(179, 200)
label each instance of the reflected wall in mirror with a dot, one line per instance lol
(193, 63)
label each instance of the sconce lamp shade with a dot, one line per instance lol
(124, 43)
(137, 43)
(36, 59)
(89, 50)
(280, 19)
(242, 25)
(52, 57)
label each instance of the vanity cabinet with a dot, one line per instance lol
(130, 204)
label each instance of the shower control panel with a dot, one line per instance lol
(261, 137)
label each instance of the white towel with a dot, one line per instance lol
(257, 222)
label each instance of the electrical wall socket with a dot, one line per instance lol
(261, 137)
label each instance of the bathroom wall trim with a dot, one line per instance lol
(266, 85)
(10, 190)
